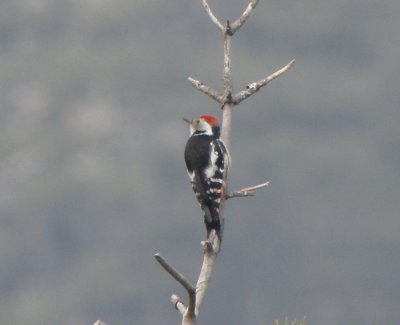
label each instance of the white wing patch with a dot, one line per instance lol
(191, 176)
(212, 167)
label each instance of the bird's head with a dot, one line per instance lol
(204, 124)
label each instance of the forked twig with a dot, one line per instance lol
(191, 290)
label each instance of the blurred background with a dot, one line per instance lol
(93, 182)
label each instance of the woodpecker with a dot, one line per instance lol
(207, 162)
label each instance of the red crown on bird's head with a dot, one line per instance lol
(210, 119)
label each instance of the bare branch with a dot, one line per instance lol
(212, 16)
(242, 19)
(178, 304)
(226, 127)
(244, 192)
(190, 311)
(175, 274)
(209, 91)
(227, 107)
(255, 86)
(228, 84)
(211, 249)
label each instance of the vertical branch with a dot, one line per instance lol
(205, 273)
(226, 125)
(228, 88)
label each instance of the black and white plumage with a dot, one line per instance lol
(207, 162)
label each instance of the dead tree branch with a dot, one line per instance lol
(212, 16)
(247, 191)
(242, 19)
(227, 99)
(255, 86)
(206, 90)
(189, 312)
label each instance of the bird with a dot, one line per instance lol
(207, 162)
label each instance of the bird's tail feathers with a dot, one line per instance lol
(217, 224)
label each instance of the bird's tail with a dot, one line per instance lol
(216, 222)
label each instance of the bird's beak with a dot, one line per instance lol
(186, 120)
